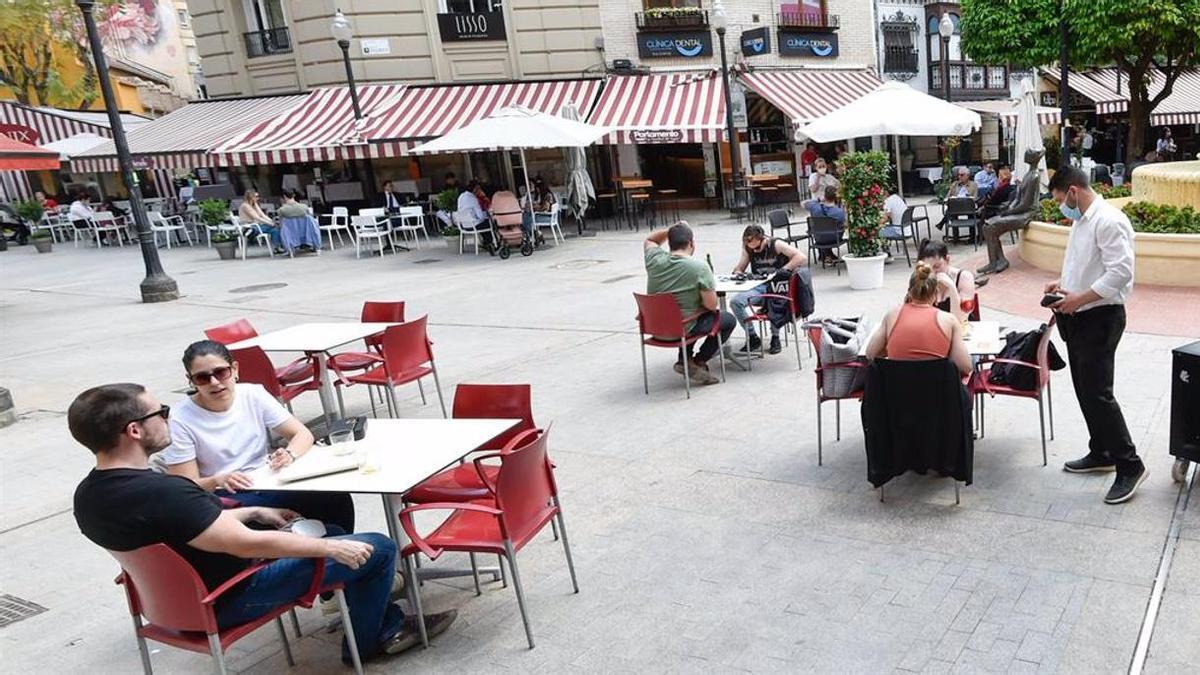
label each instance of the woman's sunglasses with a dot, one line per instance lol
(164, 411)
(223, 373)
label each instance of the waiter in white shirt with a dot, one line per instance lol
(1097, 276)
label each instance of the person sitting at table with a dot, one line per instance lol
(542, 205)
(769, 257)
(985, 180)
(679, 273)
(964, 186)
(250, 213)
(916, 330)
(485, 202)
(391, 200)
(219, 435)
(47, 203)
(821, 179)
(955, 287)
(469, 207)
(124, 505)
(827, 206)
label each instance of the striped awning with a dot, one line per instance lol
(1181, 106)
(1106, 98)
(805, 95)
(662, 108)
(321, 128)
(38, 126)
(1006, 111)
(183, 138)
(423, 113)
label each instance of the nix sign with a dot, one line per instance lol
(684, 44)
(819, 45)
(756, 42)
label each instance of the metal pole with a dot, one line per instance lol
(157, 286)
(734, 169)
(370, 167)
(946, 93)
(1064, 72)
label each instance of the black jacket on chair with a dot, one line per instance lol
(916, 416)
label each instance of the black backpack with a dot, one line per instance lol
(777, 310)
(1022, 347)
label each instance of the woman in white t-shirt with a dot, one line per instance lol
(220, 434)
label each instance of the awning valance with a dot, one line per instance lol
(18, 156)
(1006, 110)
(662, 108)
(805, 95)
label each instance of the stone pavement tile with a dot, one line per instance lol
(951, 645)
(1034, 646)
(1101, 640)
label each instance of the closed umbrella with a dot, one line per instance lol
(1029, 136)
(580, 191)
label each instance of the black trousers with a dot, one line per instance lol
(1092, 337)
(703, 326)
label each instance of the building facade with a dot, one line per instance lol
(257, 47)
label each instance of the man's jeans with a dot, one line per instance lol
(269, 230)
(740, 305)
(375, 619)
(703, 326)
(335, 509)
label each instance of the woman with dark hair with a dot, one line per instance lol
(220, 433)
(916, 330)
(955, 287)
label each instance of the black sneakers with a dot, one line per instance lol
(775, 347)
(1124, 486)
(753, 344)
(1090, 464)
(435, 624)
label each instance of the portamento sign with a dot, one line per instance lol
(819, 45)
(656, 135)
(684, 44)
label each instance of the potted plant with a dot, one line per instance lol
(447, 200)
(42, 241)
(452, 235)
(29, 211)
(226, 245)
(214, 213)
(864, 176)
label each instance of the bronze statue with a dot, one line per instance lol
(1014, 216)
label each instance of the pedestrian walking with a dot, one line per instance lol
(1097, 276)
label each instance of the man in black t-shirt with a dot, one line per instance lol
(123, 505)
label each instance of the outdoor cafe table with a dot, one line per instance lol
(726, 285)
(628, 185)
(405, 452)
(317, 339)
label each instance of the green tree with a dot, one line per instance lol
(1138, 36)
(37, 38)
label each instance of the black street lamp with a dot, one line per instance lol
(946, 31)
(720, 21)
(157, 286)
(342, 33)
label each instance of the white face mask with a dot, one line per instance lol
(822, 171)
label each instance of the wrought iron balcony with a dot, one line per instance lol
(808, 21)
(671, 19)
(969, 80)
(267, 42)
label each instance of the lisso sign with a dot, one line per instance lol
(477, 26)
(684, 44)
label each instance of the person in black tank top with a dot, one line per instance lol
(954, 285)
(765, 257)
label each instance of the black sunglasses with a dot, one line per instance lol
(223, 373)
(164, 410)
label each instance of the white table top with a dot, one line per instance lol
(407, 451)
(312, 337)
(727, 285)
(981, 337)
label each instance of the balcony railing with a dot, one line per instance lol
(900, 60)
(804, 21)
(267, 42)
(969, 80)
(653, 20)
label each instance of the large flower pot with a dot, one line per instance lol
(227, 250)
(865, 273)
(43, 244)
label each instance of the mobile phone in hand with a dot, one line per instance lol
(1050, 299)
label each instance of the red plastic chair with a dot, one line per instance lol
(526, 500)
(301, 369)
(478, 401)
(814, 337)
(793, 300)
(981, 384)
(662, 324)
(404, 352)
(372, 312)
(166, 591)
(255, 367)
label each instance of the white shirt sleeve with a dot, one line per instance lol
(269, 411)
(1116, 253)
(183, 445)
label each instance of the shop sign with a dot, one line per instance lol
(656, 135)
(820, 45)
(142, 163)
(684, 44)
(471, 27)
(376, 46)
(20, 132)
(756, 42)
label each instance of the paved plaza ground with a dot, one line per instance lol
(706, 537)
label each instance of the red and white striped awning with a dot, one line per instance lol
(662, 108)
(320, 129)
(1105, 96)
(38, 126)
(183, 138)
(1006, 111)
(426, 112)
(1181, 106)
(805, 95)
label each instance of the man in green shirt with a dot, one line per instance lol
(691, 282)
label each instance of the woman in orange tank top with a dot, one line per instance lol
(917, 330)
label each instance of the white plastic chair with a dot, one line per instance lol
(338, 222)
(369, 227)
(50, 221)
(540, 221)
(464, 220)
(412, 219)
(167, 225)
(105, 221)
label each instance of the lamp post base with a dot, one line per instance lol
(159, 288)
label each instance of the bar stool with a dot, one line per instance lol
(641, 204)
(672, 197)
(743, 201)
(762, 195)
(611, 198)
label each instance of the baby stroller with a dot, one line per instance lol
(506, 224)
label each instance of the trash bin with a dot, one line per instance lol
(1185, 408)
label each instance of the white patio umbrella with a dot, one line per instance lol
(894, 109)
(1029, 135)
(580, 190)
(69, 147)
(515, 128)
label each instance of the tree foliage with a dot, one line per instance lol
(39, 41)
